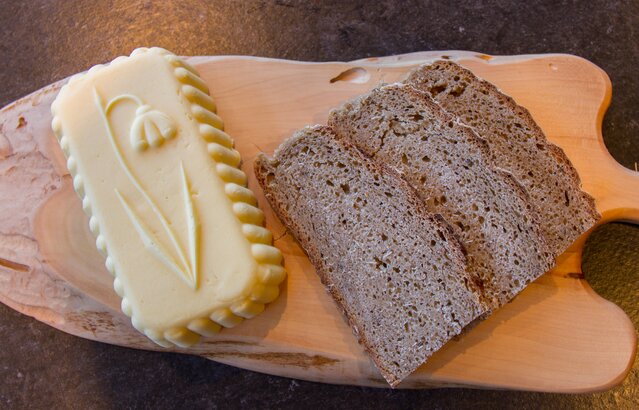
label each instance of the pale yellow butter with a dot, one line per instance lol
(169, 206)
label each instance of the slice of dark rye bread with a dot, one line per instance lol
(396, 270)
(449, 166)
(518, 145)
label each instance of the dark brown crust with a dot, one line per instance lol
(536, 132)
(264, 165)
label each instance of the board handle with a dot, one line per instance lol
(620, 198)
(616, 192)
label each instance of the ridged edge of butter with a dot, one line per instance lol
(270, 272)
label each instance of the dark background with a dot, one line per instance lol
(45, 41)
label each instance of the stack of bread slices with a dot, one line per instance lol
(424, 206)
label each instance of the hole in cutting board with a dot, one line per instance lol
(355, 75)
(609, 263)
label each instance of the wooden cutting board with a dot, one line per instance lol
(558, 335)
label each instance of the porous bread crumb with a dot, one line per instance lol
(450, 168)
(518, 145)
(397, 271)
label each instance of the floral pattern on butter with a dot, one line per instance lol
(167, 201)
(151, 128)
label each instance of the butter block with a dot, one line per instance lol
(167, 201)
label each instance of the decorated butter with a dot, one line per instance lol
(167, 201)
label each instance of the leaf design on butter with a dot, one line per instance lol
(149, 240)
(193, 227)
(151, 128)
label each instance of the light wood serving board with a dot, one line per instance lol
(558, 335)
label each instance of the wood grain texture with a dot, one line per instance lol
(558, 335)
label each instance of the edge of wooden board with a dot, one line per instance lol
(297, 364)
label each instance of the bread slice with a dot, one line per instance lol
(449, 166)
(396, 271)
(517, 145)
